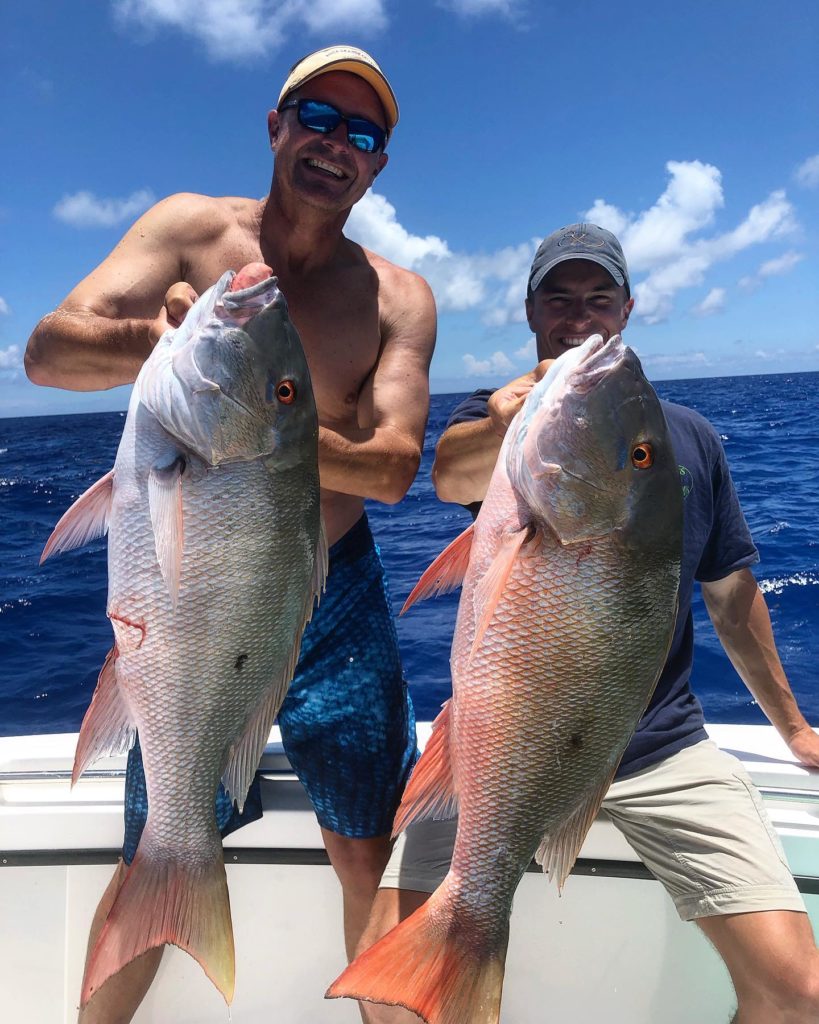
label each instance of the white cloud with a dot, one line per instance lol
(468, 8)
(4, 307)
(783, 264)
(11, 358)
(527, 352)
(233, 29)
(85, 210)
(682, 359)
(497, 364)
(807, 173)
(667, 243)
(714, 302)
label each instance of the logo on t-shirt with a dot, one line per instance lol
(686, 480)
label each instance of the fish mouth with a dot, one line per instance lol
(601, 357)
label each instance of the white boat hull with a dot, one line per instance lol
(611, 949)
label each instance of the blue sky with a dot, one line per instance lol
(691, 132)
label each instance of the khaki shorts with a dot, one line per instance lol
(695, 819)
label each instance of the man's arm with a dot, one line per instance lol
(467, 452)
(100, 335)
(380, 457)
(742, 622)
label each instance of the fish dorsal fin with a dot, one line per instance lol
(446, 572)
(84, 521)
(558, 852)
(107, 729)
(244, 758)
(489, 590)
(165, 506)
(430, 792)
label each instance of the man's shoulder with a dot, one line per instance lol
(683, 418)
(394, 280)
(203, 215)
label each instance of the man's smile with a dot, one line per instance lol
(323, 165)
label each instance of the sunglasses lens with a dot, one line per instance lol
(318, 117)
(361, 135)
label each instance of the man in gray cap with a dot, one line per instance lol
(726, 870)
(368, 330)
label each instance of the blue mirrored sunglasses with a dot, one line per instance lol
(324, 118)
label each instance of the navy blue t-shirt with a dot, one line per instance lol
(716, 542)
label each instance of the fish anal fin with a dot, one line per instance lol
(183, 901)
(165, 506)
(489, 590)
(84, 521)
(558, 851)
(432, 967)
(107, 729)
(446, 572)
(430, 792)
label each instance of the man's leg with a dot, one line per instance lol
(359, 864)
(118, 999)
(773, 962)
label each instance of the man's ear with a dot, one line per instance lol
(379, 167)
(273, 128)
(530, 307)
(627, 308)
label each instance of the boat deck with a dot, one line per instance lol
(610, 949)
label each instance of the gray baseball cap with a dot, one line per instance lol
(580, 242)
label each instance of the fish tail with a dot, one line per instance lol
(432, 968)
(167, 901)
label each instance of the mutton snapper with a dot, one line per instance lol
(216, 552)
(570, 579)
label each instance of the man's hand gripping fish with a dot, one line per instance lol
(216, 553)
(570, 577)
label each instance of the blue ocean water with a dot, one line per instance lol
(54, 633)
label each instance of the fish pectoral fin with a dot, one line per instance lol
(168, 901)
(320, 566)
(84, 521)
(430, 792)
(446, 572)
(165, 506)
(558, 851)
(108, 728)
(489, 590)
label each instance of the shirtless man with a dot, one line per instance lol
(368, 330)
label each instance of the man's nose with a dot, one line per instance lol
(578, 312)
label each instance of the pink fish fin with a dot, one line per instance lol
(165, 506)
(84, 521)
(183, 901)
(558, 852)
(446, 572)
(108, 728)
(489, 590)
(430, 792)
(432, 965)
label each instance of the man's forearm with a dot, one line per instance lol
(464, 461)
(744, 629)
(86, 352)
(378, 463)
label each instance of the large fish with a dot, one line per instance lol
(216, 552)
(565, 620)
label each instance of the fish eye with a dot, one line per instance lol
(642, 456)
(286, 391)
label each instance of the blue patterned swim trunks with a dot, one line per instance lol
(347, 722)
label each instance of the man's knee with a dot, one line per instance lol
(359, 863)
